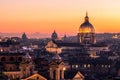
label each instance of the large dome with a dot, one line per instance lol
(86, 27)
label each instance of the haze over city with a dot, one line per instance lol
(64, 16)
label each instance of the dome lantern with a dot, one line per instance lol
(86, 17)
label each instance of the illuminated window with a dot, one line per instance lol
(84, 65)
(1, 50)
(88, 65)
(76, 66)
(109, 66)
(102, 66)
(72, 66)
(105, 66)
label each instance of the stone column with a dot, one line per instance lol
(21, 72)
(51, 73)
(62, 75)
(57, 74)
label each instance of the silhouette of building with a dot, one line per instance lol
(24, 37)
(54, 35)
(64, 39)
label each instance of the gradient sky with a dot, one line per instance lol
(64, 16)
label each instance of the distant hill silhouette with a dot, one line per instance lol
(30, 35)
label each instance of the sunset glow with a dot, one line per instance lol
(64, 16)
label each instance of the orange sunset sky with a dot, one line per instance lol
(64, 16)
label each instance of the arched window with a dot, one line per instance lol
(19, 58)
(11, 59)
(3, 59)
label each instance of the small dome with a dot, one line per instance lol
(24, 36)
(86, 27)
(56, 56)
(54, 35)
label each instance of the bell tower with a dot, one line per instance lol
(26, 66)
(57, 68)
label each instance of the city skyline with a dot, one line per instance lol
(65, 17)
(59, 40)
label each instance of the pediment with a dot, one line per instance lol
(78, 76)
(62, 63)
(57, 64)
(35, 77)
(51, 44)
(53, 63)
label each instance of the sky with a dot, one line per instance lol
(63, 16)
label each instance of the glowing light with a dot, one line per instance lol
(86, 30)
(89, 65)
(115, 36)
(64, 68)
(85, 66)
